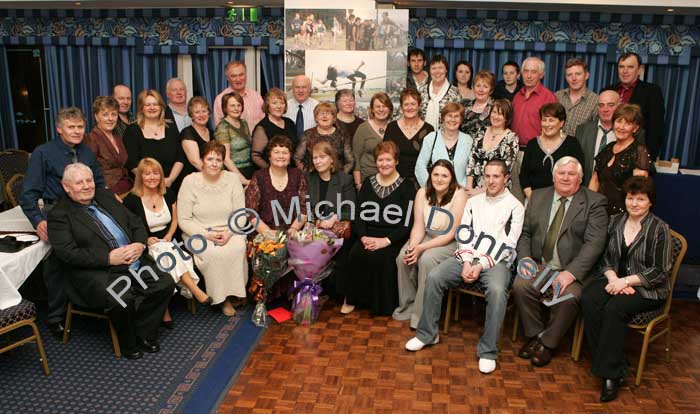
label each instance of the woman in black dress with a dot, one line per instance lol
(272, 125)
(621, 159)
(407, 133)
(543, 152)
(153, 136)
(380, 234)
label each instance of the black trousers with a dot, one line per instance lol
(144, 310)
(605, 319)
(55, 286)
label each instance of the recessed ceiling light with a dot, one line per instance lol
(670, 10)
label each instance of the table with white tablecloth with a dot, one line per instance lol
(15, 268)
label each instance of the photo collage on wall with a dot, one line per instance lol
(362, 50)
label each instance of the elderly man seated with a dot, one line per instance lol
(102, 246)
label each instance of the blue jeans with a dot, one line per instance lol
(447, 276)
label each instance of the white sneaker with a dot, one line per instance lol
(487, 366)
(345, 309)
(416, 344)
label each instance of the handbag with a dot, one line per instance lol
(430, 161)
(342, 228)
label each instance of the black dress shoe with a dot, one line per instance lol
(528, 350)
(542, 355)
(168, 324)
(149, 346)
(57, 330)
(610, 388)
(132, 354)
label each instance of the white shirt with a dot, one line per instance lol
(599, 138)
(307, 110)
(498, 218)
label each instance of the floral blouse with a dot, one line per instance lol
(474, 122)
(506, 150)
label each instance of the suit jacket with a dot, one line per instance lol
(80, 246)
(649, 255)
(648, 96)
(586, 134)
(581, 237)
(340, 183)
(112, 162)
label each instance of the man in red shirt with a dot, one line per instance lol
(529, 99)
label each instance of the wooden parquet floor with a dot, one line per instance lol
(357, 364)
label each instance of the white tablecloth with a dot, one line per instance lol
(15, 268)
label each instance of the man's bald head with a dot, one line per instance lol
(301, 88)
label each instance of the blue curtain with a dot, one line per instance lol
(8, 132)
(208, 71)
(680, 86)
(78, 74)
(272, 69)
(554, 77)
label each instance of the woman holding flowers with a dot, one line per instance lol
(205, 202)
(381, 233)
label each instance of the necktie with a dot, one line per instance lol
(111, 226)
(300, 122)
(604, 140)
(553, 233)
(74, 155)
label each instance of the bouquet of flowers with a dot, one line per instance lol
(310, 254)
(269, 254)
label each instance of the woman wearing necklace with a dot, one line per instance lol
(368, 135)
(437, 92)
(155, 204)
(552, 144)
(372, 261)
(153, 136)
(496, 142)
(274, 124)
(621, 159)
(447, 143)
(408, 133)
(108, 146)
(205, 204)
(347, 120)
(476, 113)
(325, 130)
(233, 132)
(463, 80)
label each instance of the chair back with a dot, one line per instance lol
(678, 248)
(13, 188)
(13, 161)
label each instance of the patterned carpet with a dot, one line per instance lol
(87, 378)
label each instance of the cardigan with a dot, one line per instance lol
(432, 151)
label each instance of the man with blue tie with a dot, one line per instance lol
(102, 246)
(43, 181)
(300, 108)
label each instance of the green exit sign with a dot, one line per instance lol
(243, 14)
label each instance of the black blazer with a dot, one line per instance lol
(134, 204)
(648, 96)
(340, 183)
(649, 255)
(84, 252)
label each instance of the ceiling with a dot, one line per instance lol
(682, 7)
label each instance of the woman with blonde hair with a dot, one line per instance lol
(153, 136)
(155, 204)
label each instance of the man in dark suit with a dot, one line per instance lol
(102, 246)
(647, 95)
(594, 135)
(565, 229)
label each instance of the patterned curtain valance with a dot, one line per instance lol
(648, 35)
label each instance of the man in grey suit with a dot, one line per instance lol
(565, 230)
(594, 135)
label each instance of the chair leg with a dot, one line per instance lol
(643, 357)
(193, 306)
(450, 295)
(458, 302)
(668, 340)
(115, 340)
(515, 325)
(578, 340)
(40, 346)
(69, 321)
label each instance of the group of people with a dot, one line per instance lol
(432, 199)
